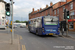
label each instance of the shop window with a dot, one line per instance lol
(71, 25)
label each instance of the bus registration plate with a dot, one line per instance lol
(50, 33)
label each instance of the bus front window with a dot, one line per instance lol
(51, 21)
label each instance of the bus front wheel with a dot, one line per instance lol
(29, 31)
(36, 32)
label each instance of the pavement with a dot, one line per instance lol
(23, 40)
(5, 41)
(71, 34)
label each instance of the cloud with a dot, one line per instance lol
(23, 7)
(16, 7)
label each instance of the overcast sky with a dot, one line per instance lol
(23, 7)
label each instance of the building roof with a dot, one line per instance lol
(41, 10)
(50, 7)
(45, 9)
(62, 5)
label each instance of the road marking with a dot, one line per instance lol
(73, 39)
(20, 37)
(23, 47)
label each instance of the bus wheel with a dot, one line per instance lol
(29, 31)
(36, 32)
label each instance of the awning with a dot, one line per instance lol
(71, 20)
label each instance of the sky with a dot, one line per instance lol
(22, 8)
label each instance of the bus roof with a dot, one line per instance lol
(41, 17)
(36, 18)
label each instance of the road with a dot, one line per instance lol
(30, 41)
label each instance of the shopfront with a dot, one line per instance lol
(71, 25)
(71, 21)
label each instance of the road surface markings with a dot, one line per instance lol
(73, 39)
(20, 37)
(23, 47)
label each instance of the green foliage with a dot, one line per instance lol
(17, 21)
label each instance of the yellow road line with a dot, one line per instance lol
(23, 47)
(20, 37)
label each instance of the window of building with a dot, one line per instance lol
(40, 14)
(44, 13)
(63, 16)
(49, 12)
(63, 8)
(71, 5)
(57, 11)
(54, 12)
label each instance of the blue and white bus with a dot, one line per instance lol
(44, 25)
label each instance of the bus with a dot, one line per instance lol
(44, 25)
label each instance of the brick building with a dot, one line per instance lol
(57, 10)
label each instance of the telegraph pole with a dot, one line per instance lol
(12, 35)
(66, 17)
(8, 24)
(67, 22)
(67, 27)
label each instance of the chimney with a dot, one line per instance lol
(40, 8)
(68, 1)
(33, 9)
(46, 6)
(51, 3)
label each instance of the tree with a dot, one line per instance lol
(24, 21)
(17, 21)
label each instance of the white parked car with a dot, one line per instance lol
(22, 26)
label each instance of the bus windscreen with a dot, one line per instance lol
(51, 21)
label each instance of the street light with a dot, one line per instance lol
(12, 35)
(68, 15)
(13, 2)
(7, 7)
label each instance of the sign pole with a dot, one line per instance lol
(67, 27)
(8, 25)
(12, 35)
